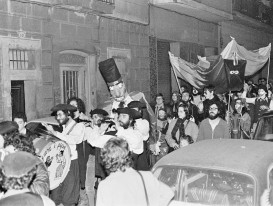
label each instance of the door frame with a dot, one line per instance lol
(7, 75)
(89, 86)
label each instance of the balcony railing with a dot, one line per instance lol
(258, 9)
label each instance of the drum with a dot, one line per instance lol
(56, 155)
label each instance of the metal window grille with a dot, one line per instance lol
(108, 1)
(19, 59)
(70, 84)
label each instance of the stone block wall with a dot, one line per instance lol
(62, 29)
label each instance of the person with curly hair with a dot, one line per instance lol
(18, 142)
(124, 185)
(18, 170)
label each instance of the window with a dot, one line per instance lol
(208, 187)
(20, 59)
(70, 84)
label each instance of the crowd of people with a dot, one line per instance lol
(121, 141)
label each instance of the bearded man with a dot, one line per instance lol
(121, 98)
(68, 192)
(125, 130)
(213, 127)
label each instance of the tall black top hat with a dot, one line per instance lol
(110, 72)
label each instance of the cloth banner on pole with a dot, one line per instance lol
(256, 59)
(218, 74)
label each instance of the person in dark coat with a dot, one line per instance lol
(210, 96)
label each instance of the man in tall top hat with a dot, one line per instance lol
(68, 192)
(120, 97)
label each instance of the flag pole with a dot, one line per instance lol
(177, 80)
(268, 70)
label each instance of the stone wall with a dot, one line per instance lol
(61, 29)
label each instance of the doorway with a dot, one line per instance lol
(17, 97)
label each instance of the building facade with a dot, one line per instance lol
(189, 28)
(50, 51)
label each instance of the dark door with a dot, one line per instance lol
(164, 69)
(17, 97)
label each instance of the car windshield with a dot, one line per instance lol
(264, 130)
(208, 187)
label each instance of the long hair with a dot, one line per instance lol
(19, 183)
(186, 109)
(115, 155)
(178, 99)
(20, 142)
(80, 104)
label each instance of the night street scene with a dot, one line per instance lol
(136, 103)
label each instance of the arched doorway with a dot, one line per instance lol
(77, 77)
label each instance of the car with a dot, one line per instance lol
(264, 128)
(218, 172)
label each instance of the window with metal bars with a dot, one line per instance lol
(108, 1)
(20, 59)
(70, 84)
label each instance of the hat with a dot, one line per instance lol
(63, 107)
(8, 127)
(18, 164)
(110, 72)
(261, 86)
(136, 104)
(131, 112)
(98, 111)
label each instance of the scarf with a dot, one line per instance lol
(179, 125)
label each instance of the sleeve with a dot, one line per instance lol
(75, 136)
(92, 134)
(250, 100)
(200, 132)
(194, 131)
(168, 137)
(142, 125)
(159, 193)
(246, 122)
(226, 132)
(40, 184)
(271, 105)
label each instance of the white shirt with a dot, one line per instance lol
(96, 138)
(75, 136)
(133, 137)
(143, 126)
(126, 189)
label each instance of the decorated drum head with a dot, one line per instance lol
(56, 155)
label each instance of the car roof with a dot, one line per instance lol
(244, 156)
(48, 120)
